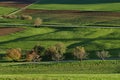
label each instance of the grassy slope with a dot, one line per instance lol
(6, 10)
(91, 38)
(85, 67)
(85, 5)
(61, 77)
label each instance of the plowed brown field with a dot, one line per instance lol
(5, 31)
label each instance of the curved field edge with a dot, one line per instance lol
(61, 77)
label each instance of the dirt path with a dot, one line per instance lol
(5, 31)
(23, 8)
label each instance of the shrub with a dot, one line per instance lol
(56, 52)
(14, 54)
(103, 54)
(32, 56)
(80, 53)
(37, 22)
(26, 17)
(9, 16)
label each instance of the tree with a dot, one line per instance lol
(79, 52)
(56, 52)
(37, 22)
(39, 49)
(32, 56)
(103, 54)
(26, 17)
(14, 54)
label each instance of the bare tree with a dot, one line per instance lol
(103, 54)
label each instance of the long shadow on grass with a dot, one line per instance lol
(23, 38)
(83, 41)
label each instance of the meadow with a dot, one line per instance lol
(61, 77)
(83, 5)
(70, 70)
(91, 24)
(93, 39)
(6, 10)
(64, 67)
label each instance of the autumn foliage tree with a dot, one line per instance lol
(32, 56)
(37, 22)
(56, 52)
(14, 54)
(79, 52)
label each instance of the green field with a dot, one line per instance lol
(84, 27)
(73, 70)
(61, 77)
(84, 5)
(70, 67)
(6, 10)
(92, 39)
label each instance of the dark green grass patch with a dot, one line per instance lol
(71, 67)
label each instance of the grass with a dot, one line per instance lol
(6, 10)
(75, 18)
(84, 5)
(93, 39)
(61, 77)
(75, 67)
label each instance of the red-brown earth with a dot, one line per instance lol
(5, 31)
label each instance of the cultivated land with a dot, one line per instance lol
(62, 22)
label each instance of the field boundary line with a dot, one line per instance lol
(61, 26)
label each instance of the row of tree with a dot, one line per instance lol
(55, 52)
(36, 23)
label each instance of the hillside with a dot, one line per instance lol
(85, 5)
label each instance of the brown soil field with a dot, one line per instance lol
(16, 4)
(5, 31)
(73, 12)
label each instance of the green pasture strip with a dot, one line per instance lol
(90, 38)
(61, 77)
(6, 10)
(84, 5)
(70, 67)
